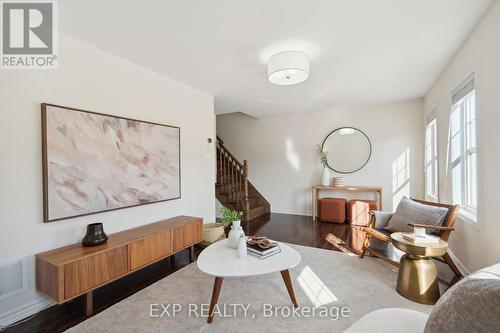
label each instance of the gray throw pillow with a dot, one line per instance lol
(410, 211)
(471, 305)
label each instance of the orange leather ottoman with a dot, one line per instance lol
(357, 211)
(332, 210)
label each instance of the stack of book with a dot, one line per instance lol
(338, 181)
(426, 239)
(258, 252)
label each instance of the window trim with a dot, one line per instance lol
(466, 213)
(431, 117)
(468, 217)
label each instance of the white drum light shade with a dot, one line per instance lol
(287, 68)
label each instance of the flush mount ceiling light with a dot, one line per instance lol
(287, 68)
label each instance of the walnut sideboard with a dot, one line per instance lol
(74, 270)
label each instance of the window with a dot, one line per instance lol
(401, 177)
(463, 150)
(431, 157)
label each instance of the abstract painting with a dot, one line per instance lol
(94, 162)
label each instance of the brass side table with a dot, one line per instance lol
(417, 277)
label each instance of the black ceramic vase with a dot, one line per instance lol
(95, 235)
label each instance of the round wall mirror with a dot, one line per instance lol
(348, 149)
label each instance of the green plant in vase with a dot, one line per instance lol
(234, 232)
(229, 215)
(321, 154)
(323, 158)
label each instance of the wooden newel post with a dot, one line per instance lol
(245, 175)
(245, 181)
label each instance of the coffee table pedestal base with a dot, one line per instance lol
(418, 279)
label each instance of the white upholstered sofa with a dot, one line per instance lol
(472, 305)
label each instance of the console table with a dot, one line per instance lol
(317, 188)
(74, 270)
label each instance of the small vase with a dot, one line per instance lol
(242, 247)
(234, 234)
(236, 224)
(325, 177)
(95, 235)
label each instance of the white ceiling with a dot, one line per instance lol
(362, 51)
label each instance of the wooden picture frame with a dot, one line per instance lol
(60, 188)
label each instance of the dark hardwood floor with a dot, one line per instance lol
(298, 229)
(281, 227)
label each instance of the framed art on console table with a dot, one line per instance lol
(93, 162)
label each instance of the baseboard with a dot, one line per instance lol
(24, 311)
(459, 264)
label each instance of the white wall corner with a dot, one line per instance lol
(218, 206)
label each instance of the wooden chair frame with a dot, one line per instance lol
(444, 232)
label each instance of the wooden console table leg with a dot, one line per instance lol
(191, 254)
(215, 298)
(89, 303)
(288, 283)
(314, 204)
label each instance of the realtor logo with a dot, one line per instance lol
(28, 35)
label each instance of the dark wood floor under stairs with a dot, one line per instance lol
(287, 228)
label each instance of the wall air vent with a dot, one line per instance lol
(12, 277)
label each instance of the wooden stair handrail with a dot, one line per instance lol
(232, 175)
(223, 148)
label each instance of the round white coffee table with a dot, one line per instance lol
(221, 261)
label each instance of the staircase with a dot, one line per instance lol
(233, 190)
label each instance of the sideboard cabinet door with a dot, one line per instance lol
(187, 235)
(85, 274)
(76, 278)
(149, 249)
(108, 266)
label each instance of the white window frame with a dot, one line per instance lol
(468, 211)
(431, 167)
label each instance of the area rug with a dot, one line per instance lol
(333, 290)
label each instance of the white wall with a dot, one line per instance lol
(475, 245)
(91, 79)
(280, 150)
